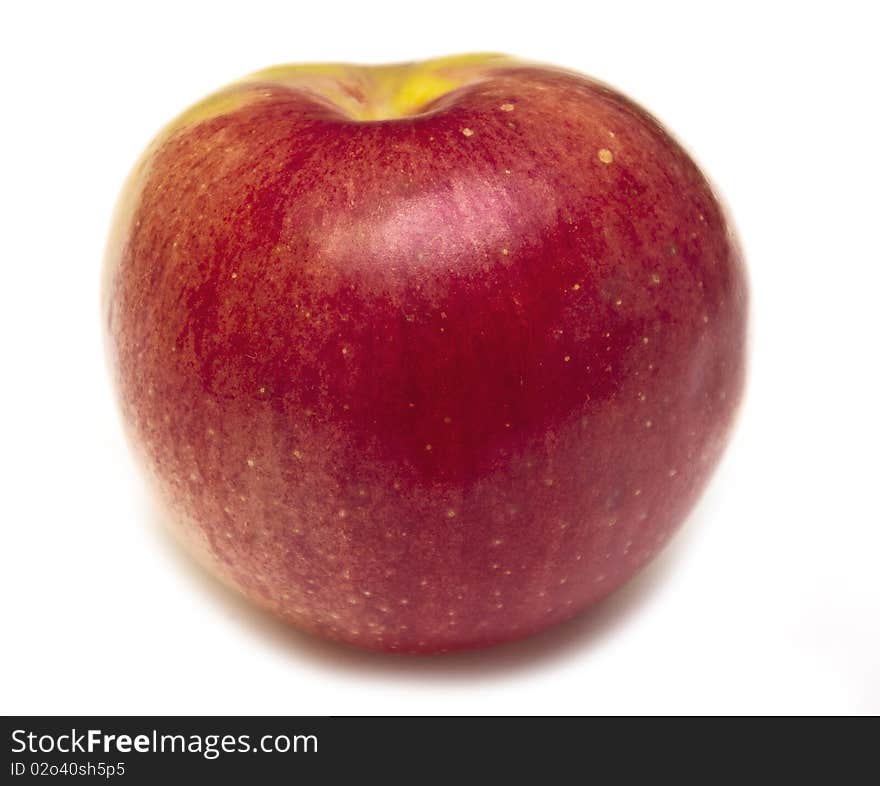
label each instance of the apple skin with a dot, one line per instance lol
(425, 357)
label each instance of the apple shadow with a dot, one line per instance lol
(574, 637)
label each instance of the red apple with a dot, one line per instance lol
(424, 357)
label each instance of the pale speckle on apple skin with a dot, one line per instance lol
(605, 155)
(467, 131)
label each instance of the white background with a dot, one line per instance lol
(768, 601)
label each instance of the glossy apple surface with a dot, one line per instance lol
(424, 357)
